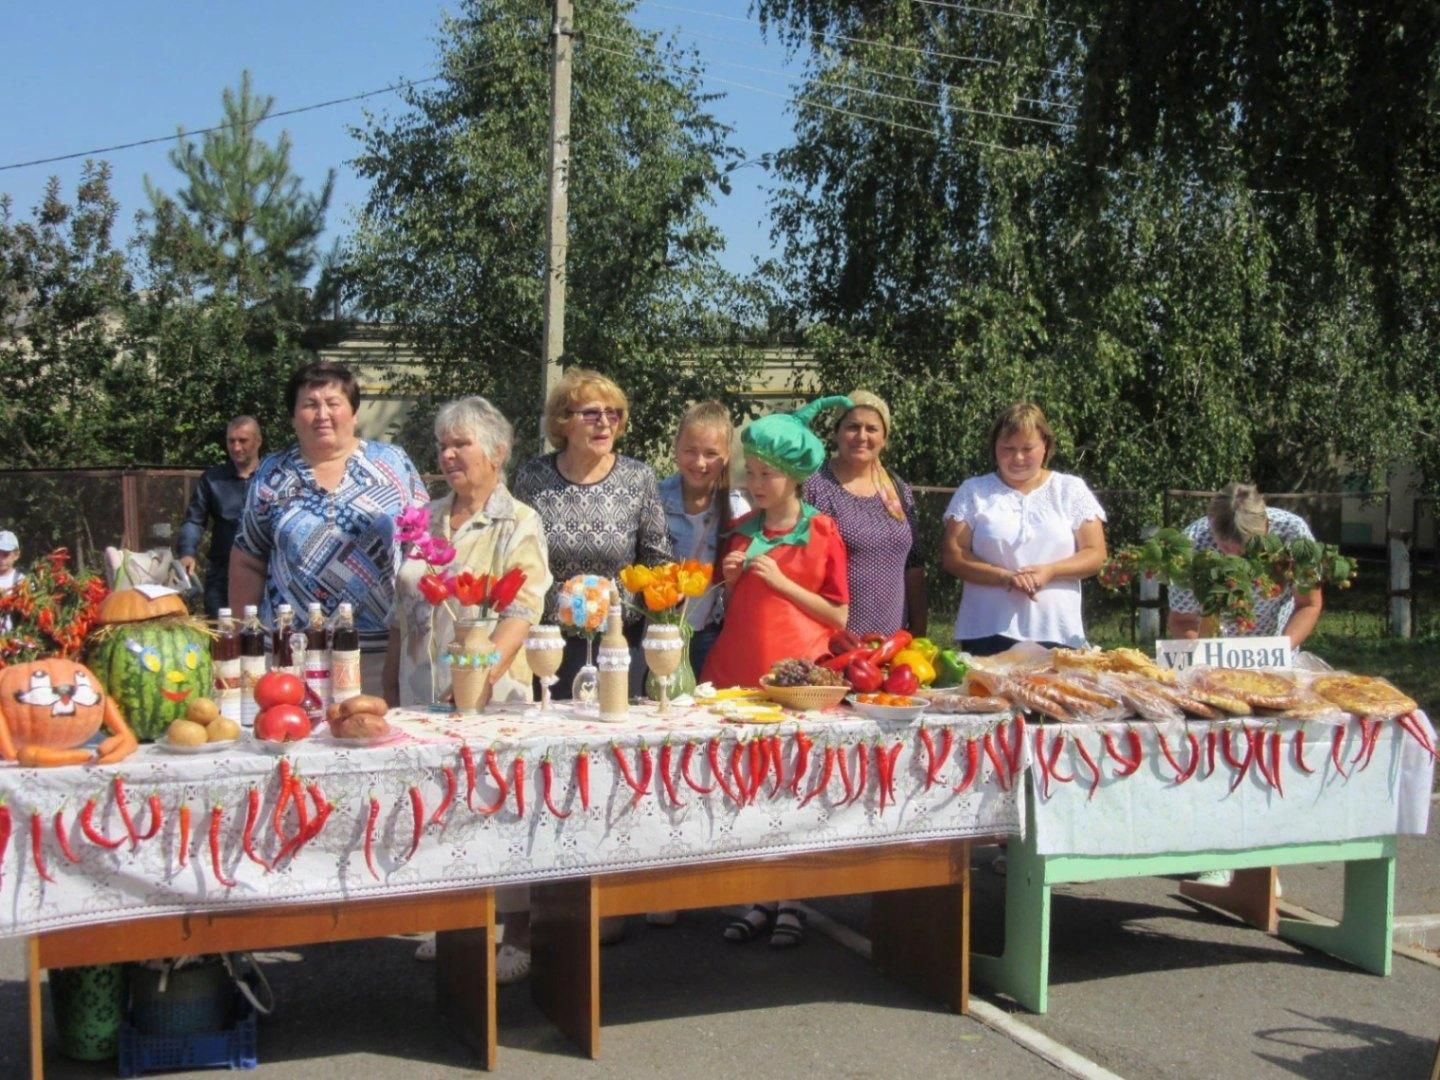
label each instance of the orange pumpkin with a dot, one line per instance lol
(50, 707)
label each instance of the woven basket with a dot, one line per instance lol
(804, 697)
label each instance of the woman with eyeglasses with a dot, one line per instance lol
(601, 510)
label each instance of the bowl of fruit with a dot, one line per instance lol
(888, 706)
(800, 684)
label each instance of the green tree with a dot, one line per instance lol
(450, 249)
(1122, 215)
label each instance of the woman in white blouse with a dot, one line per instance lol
(1022, 538)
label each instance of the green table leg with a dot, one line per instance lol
(1363, 935)
(1022, 970)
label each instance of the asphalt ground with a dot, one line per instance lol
(1143, 983)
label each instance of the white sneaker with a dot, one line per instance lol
(1214, 877)
(511, 964)
(426, 950)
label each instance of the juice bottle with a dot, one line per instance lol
(317, 664)
(281, 658)
(225, 662)
(344, 655)
(252, 662)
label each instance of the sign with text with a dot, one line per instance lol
(1238, 652)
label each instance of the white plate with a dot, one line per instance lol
(200, 748)
(886, 712)
(326, 739)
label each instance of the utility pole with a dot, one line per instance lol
(562, 37)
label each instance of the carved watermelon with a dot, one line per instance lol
(153, 670)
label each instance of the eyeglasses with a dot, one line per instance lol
(591, 417)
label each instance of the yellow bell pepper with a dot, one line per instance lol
(926, 648)
(919, 663)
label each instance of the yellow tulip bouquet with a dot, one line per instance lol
(666, 590)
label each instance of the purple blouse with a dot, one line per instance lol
(879, 549)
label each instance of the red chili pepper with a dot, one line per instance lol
(217, 816)
(1194, 757)
(520, 785)
(1275, 763)
(666, 778)
(1052, 765)
(156, 817)
(827, 769)
(932, 755)
(843, 760)
(1364, 740)
(759, 765)
(737, 771)
(687, 755)
(1042, 762)
(1128, 765)
(184, 853)
(492, 766)
(803, 745)
(417, 821)
(1337, 742)
(1016, 745)
(37, 845)
(317, 797)
(777, 762)
(646, 767)
(6, 824)
(1170, 757)
(61, 837)
(370, 821)
(304, 836)
(998, 761)
(1258, 750)
(247, 837)
(547, 785)
(1210, 740)
(277, 820)
(1410, 724)
(892, 759)
(467, 760)
(942, 756)
(451, 783)
(87, 826)
(862, 764)
(1091, 764)
(1240, 767)
(1297, 744)
(882, 778)
(297, 800)
(972, 766)
(712, 756)
(582, 776)
(1375, 730)
(123, 805)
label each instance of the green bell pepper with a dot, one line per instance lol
(950, 670)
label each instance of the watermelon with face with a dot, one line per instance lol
(152, 656)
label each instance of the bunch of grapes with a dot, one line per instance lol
(803, 673)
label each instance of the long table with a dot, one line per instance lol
(439, 842)
(1151, 823)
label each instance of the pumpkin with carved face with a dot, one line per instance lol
(152, 656)
(49, 708)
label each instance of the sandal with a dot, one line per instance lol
(511, 964)
(749, 926)
(426, 950)
(789, 928)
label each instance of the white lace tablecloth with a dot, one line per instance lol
(1147, 812)
(467, 848)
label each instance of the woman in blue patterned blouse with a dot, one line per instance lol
(319, 517)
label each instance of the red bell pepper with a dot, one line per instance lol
(892, 645)
(843, 641)
(901, 680)
(864, 675)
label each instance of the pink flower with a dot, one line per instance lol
(412, 524)
(435, 550)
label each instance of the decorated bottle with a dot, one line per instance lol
(281, 656)
(252, 662)
(225, 663)
(344, 655)
(317, 663)
(614, 664)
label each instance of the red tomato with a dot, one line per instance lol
(279, 688)
(282, 723)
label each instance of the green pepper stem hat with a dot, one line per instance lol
(784, 441)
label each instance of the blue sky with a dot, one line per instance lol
(81, 75)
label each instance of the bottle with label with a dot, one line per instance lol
(317, 664)
(614, 664)
(281, 657)
(252, 663)
(344, 655)
(225, 663)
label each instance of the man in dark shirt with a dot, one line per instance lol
(220, 496)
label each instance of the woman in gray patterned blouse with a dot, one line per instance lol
(601, 509)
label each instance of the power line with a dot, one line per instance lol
(1005, 14)
(222, 127)
(941, 106)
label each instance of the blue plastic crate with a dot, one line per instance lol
(235, 1048)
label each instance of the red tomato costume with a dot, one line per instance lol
(761, 626)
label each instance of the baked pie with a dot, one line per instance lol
(1363, 695)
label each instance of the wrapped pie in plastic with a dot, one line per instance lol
(1362, 695)
(1065, 698)
(1257, 689)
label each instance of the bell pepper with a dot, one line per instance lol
(843, 641)
(892, 645)
(950, 670)
(917, 662)
(926, 648)
(864, 675)
(901, 680)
